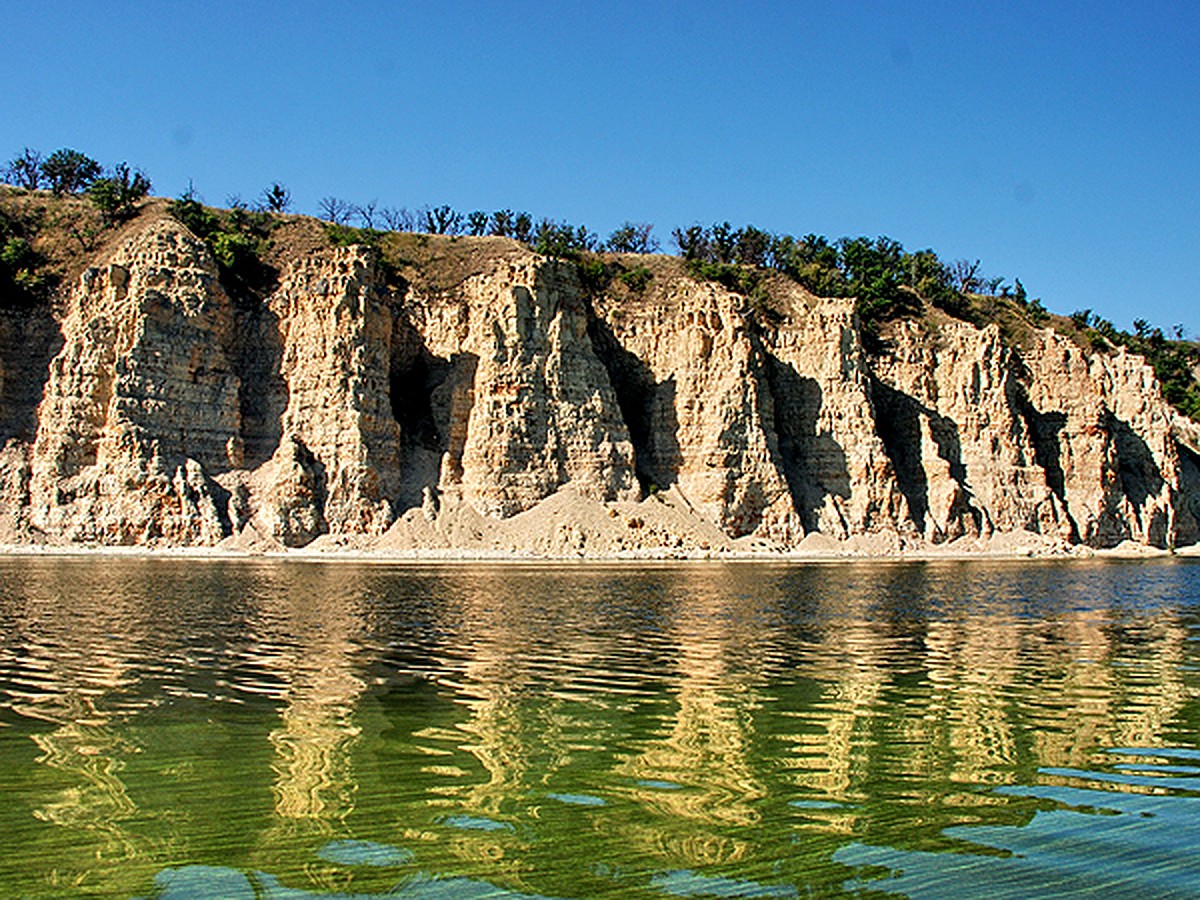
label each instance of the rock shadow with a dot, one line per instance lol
(30, 340)
(1044, 429)
(647, 406)
(813, 465)
(898, 423)
(1188, 522)
(431, 398)
(263, 391)
(1141, 478)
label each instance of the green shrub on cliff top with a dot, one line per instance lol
(24, 280)
(115, 194)
(236, 239)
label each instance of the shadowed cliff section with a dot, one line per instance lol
(813, 464)
(899, 426)
(1189, 492)
(647, 406)
(31, 338)
(431, 398)
(940, 497)
(262, 393)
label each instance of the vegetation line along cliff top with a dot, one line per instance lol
(438, 382)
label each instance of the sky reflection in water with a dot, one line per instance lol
(201, 729)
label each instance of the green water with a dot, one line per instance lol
(227, 729)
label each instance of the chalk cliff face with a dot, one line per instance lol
(157, 410)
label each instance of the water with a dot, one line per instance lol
(260, 729)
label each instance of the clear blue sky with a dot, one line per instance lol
(1058, 142)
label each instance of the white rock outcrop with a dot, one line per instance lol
(343, 406)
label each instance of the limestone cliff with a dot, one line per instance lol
(350, 404)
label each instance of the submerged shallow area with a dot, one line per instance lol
(189, 728)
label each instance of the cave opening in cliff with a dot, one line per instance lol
(411, 391)
(430, 403)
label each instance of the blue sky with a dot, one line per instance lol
(1056, 142)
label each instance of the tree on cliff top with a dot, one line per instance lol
(633, 237)
(69, 171)
(276, 198)
(25, 170)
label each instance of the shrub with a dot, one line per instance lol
(523, 227)
(736, 278)
(594, 275)
(441, 220)
(932, 280)
(346, 236)
(561, 240)
(17, 253)
(234, 250)
(477, 222)
(502, 223)
(335, 210)
(401, 219)
(22, 282)
(276, 198)
(116, 194)
(692, 242)
(875, 272)
(192, 214)
(366, 213)
(637, 279)
(721, 242)
(751, 246)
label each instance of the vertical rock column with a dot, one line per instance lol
(539, 413)
(337, 462)
(837, 468)
(141, 403)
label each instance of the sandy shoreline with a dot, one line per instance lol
(1127, 551)
(567, 528)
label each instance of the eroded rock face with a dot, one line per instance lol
(526, 405)
(954, 415)
(158, 411)
(141, 403)
(1108, 446)
(693, 389)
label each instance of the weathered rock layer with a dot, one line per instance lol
(156, 410)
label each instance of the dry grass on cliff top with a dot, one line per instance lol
(69, 234)
(432, 263)
(435, 263)
(68, 231)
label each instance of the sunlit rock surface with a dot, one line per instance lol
(348, 408)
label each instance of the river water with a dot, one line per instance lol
(287, 729)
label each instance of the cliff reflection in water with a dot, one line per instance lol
(558, 730)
